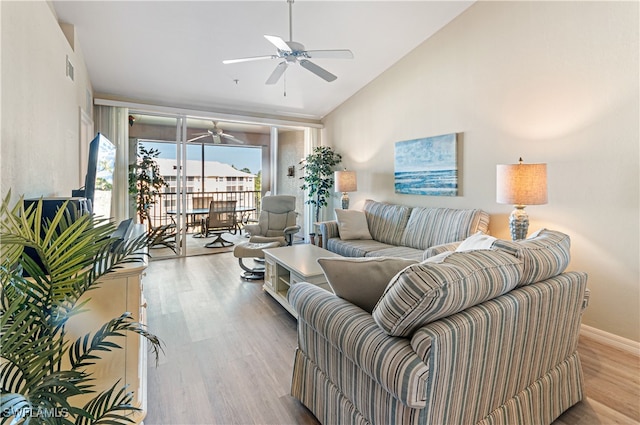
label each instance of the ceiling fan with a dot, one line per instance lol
(216, 134)
(292, 52)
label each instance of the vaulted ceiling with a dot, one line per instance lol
(171, 52)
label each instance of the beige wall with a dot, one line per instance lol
(553, 82)
(40, 112)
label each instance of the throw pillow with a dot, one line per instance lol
(352, 224)
(361, 281)
(544, 254)
(428, 291)
(476, 241)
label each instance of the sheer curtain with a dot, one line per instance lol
(112, 122)
(312, 138)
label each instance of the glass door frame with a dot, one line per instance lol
(179, 216)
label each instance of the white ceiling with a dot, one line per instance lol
(170, 52)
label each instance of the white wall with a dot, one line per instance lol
(553, 82)
(40, 112)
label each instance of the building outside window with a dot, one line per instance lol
(218, 177)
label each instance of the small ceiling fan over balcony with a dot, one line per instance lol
(216, 134)
(291, 52)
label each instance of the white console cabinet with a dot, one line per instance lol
(119, 292)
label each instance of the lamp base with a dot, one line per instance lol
(345, 201)
(518, 223)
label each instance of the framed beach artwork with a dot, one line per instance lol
(427, 166)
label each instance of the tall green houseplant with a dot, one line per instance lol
(317, 176)
(145, 181)
(41, 369)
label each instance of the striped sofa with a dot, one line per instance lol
(407, 232)
(480, 337)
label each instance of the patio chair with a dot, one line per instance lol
(166, 232)
(199, 202)
(221, 219)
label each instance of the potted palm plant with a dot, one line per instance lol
(40, 369)
(317, 169)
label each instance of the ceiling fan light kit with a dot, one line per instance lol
(292, 52)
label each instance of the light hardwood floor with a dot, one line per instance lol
(229, 352)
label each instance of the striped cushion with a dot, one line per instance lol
(386, 221)
(428, 291)
(355, 247)
(544, 254)
(398, 251)
(434, 226)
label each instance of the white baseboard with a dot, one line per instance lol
(611, 340)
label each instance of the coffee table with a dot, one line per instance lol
(288, 265)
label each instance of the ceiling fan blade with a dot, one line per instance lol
(199, 137)
(249, 59)
(319, 71)
(277, 73)
(331, 54)
(279, 43)
(232, 138)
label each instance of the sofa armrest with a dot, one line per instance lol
(390, 361)
(439, 249)
(328, 230)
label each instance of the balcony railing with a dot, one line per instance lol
(166, 206)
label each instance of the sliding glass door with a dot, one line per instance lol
(199, 161)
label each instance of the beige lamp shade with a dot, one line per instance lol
(521, 184)
(346, 181)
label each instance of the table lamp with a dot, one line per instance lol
(345, 182)
(520, 185)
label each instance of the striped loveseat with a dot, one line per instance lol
(486, 336)
(406, 232)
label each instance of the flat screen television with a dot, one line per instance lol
(75, 208)
(98, 183)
